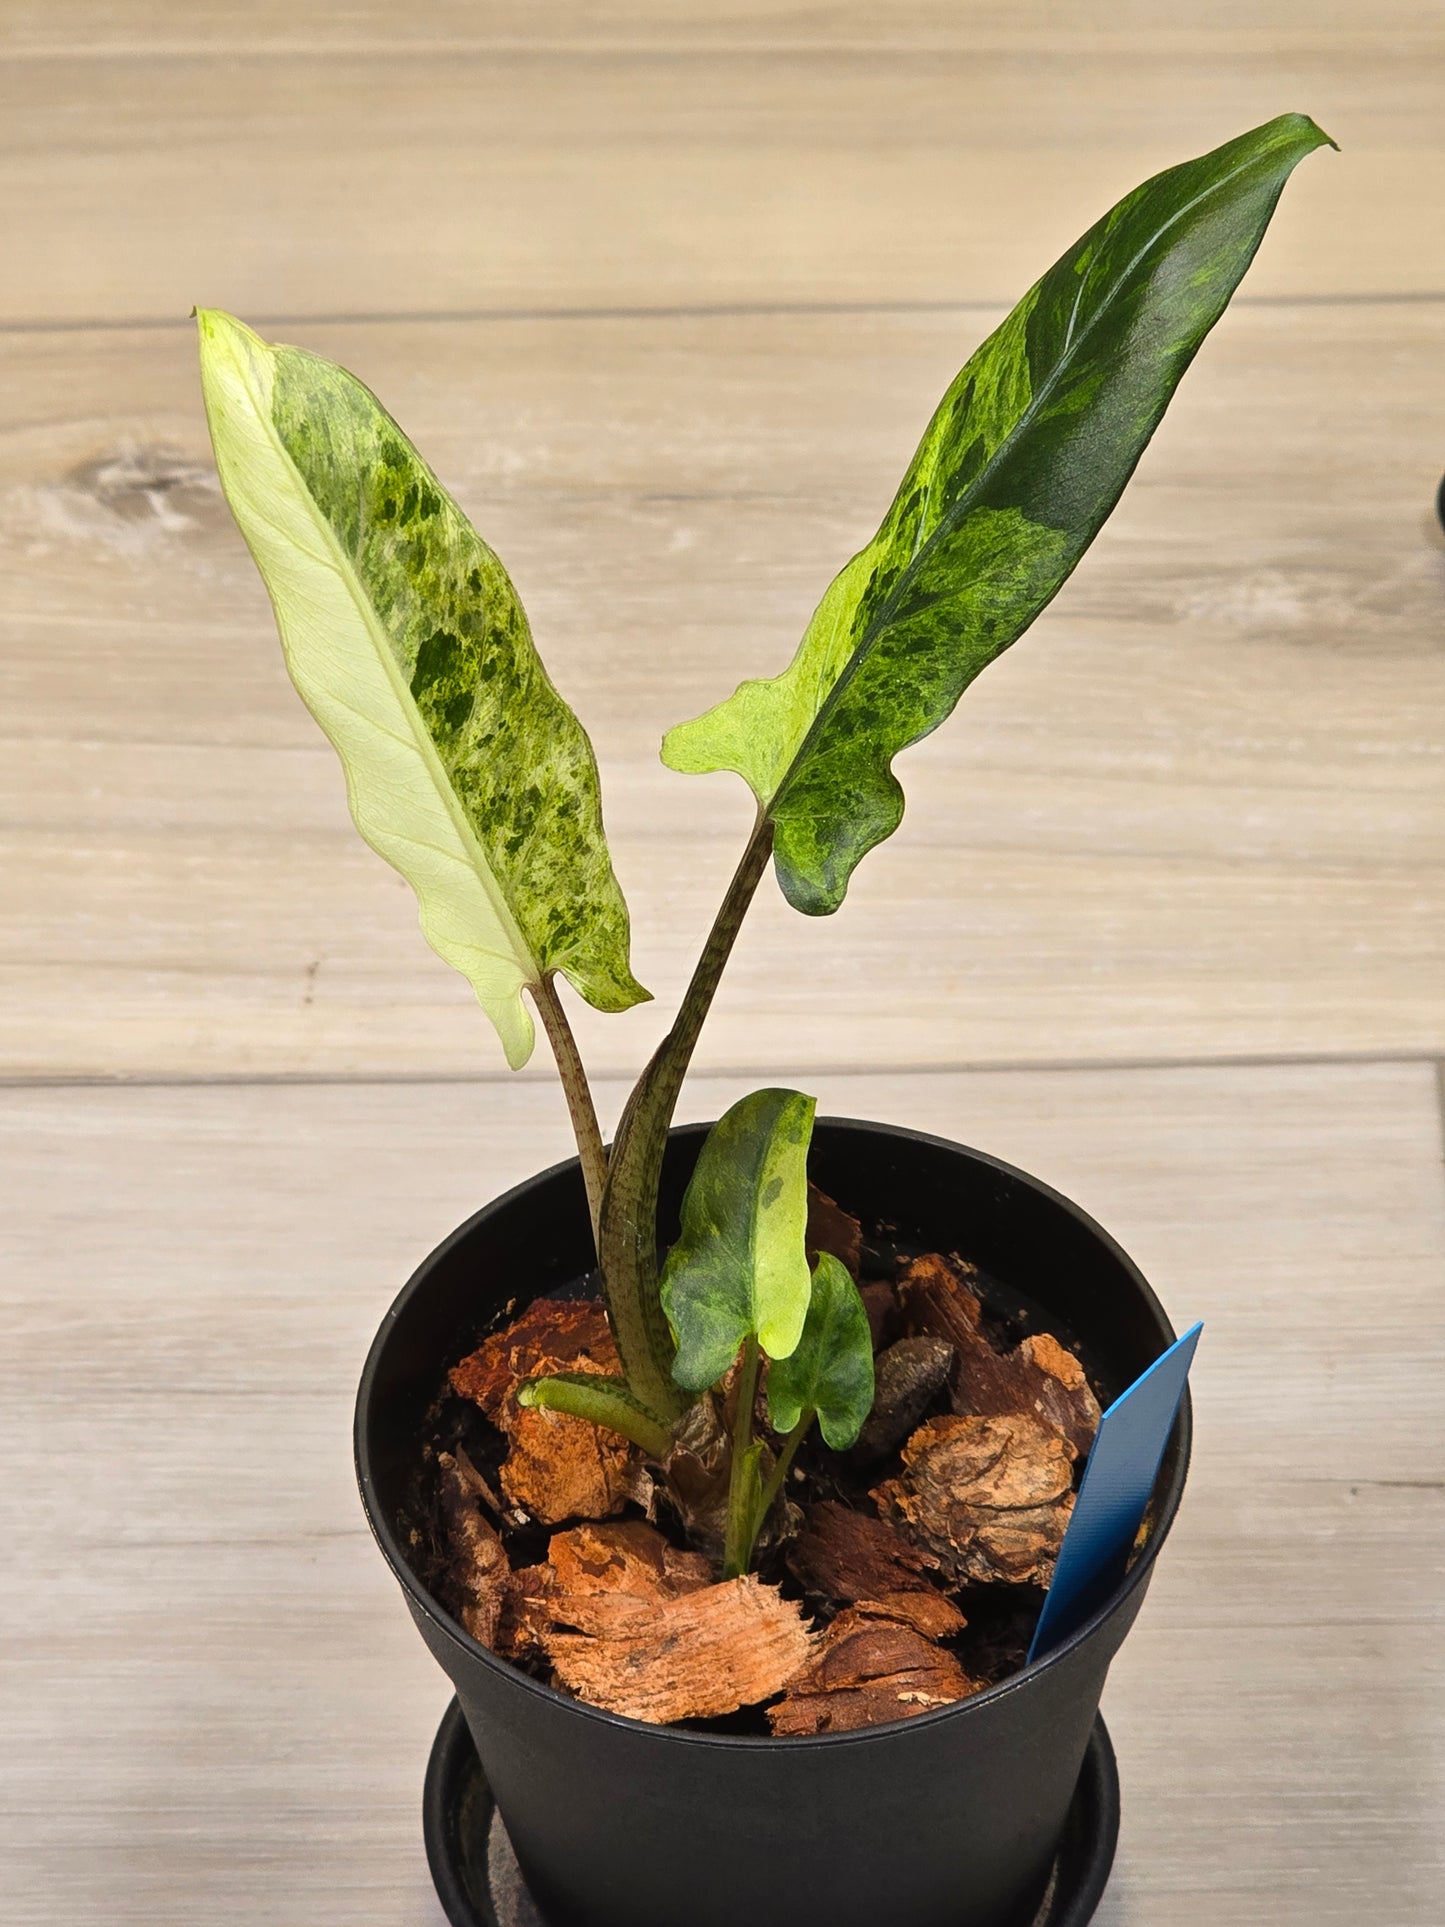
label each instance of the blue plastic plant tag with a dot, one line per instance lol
(1118, 1480)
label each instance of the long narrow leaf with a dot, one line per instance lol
(1023, 461)
(464, 767)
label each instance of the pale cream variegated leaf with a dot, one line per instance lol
(464, 767)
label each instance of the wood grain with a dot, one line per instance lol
(293, 169)
(1197, 811)
(151, 28)
(215, 1703)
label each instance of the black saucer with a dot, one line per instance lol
(478, 1883)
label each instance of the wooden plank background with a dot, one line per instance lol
(666, 293)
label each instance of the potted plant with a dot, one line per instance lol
(706, 1459)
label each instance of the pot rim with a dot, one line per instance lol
(424, 1602)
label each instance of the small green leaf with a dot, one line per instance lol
(1025, 458)
(603, 1400)
(739, 1268)
(464, 767)
(831, 1372)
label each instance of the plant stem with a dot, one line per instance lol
(780, 1472)
(602, 1401)
(748, 1507)
(742, 1496)
(661, 1082)
(578, 1092)
(627, 1241)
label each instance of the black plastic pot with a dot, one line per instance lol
(950, 1819)
(479, 1884)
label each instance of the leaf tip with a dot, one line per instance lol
(218, 329)
(809, 893)
(676, 754)
(1298, 134)
(235, 364)
(608, 986)
(514, 1027)
(1309, 128)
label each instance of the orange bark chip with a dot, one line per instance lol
(697, 1656)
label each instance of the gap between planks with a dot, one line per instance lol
(658, 50)
(679, 311)
(980, 1067)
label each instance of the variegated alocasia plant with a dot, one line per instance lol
(469, 773)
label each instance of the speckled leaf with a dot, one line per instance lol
(739, 1268)
(831, 1370)
(464, 767)
(1023, 461)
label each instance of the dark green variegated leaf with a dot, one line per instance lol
(739, 1270)
(1023, 461)
(464, 767)
(830, 1371)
